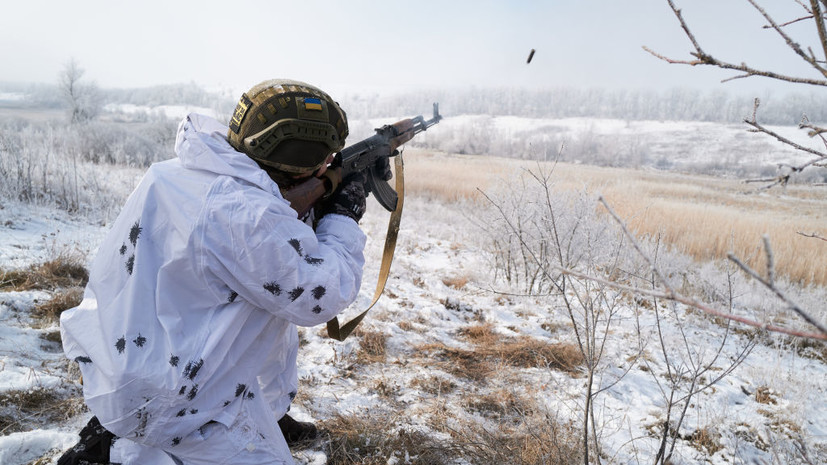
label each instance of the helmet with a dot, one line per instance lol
(287, 125)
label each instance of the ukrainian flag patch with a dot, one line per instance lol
(312, 104)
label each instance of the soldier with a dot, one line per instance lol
(186, 336)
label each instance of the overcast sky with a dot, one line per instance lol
(385, 45)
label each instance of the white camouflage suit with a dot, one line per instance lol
(186, 336)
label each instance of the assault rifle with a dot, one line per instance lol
(362, 156)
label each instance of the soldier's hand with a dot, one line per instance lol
(349, 199)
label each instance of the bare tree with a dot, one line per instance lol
(82, 98)
(814, 55)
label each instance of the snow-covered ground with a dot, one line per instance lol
(768, 406)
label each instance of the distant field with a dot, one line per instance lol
(11, 111)
(704, 217)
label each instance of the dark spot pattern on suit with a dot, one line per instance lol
(297, 246)
(139, 341)
(122, 250)
(193, 391)
(292, 395)
(250, 395)
(181, 412)
(192, 368)
(83, 359)
(296, 293)
(173, 360)
(317, 309)
(239, 389)
(176, 441)
(313, 260)
(231, 298)
(120, 344)
(182, 391)
(318, 292)
(272, 288)
(134, 232)
(130, 263)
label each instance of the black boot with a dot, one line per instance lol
(93, 447)
(296, 432)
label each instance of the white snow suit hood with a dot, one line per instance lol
(194, 295)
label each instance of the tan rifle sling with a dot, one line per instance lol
(334, 331)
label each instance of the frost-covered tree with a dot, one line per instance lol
(82, 98)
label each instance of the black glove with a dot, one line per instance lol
(349, 199)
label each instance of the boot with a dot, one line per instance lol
(296, 432)
(93, 447)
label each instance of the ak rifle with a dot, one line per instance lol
(362, 156)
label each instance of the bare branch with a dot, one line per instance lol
(783, 178)
(670, 293)
(812, 235)
(694, 304)
(790, 42)
(769, 284)
(703, 58)
(819, 20)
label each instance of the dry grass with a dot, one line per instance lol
(466, 364)
(527, 352)
(706, 439)
(765, 395)
(482, 334)
(491, 352)
(372, 347)
(48, 313)
(64, 271)
(500, 405)
(372, 440)
(434, 385)
(529, 439)
(27, 409)
(702, 216)
(456, 282)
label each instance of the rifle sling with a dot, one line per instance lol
(334, 331)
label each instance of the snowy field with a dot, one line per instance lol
(431, 361)
(767, 410)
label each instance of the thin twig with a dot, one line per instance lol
(672, 295)
(812, 235)
(703, 58)
(778, 292)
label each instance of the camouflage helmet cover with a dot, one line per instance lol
(272, 116)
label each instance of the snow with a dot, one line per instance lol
(12, 96)
(439, 241)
